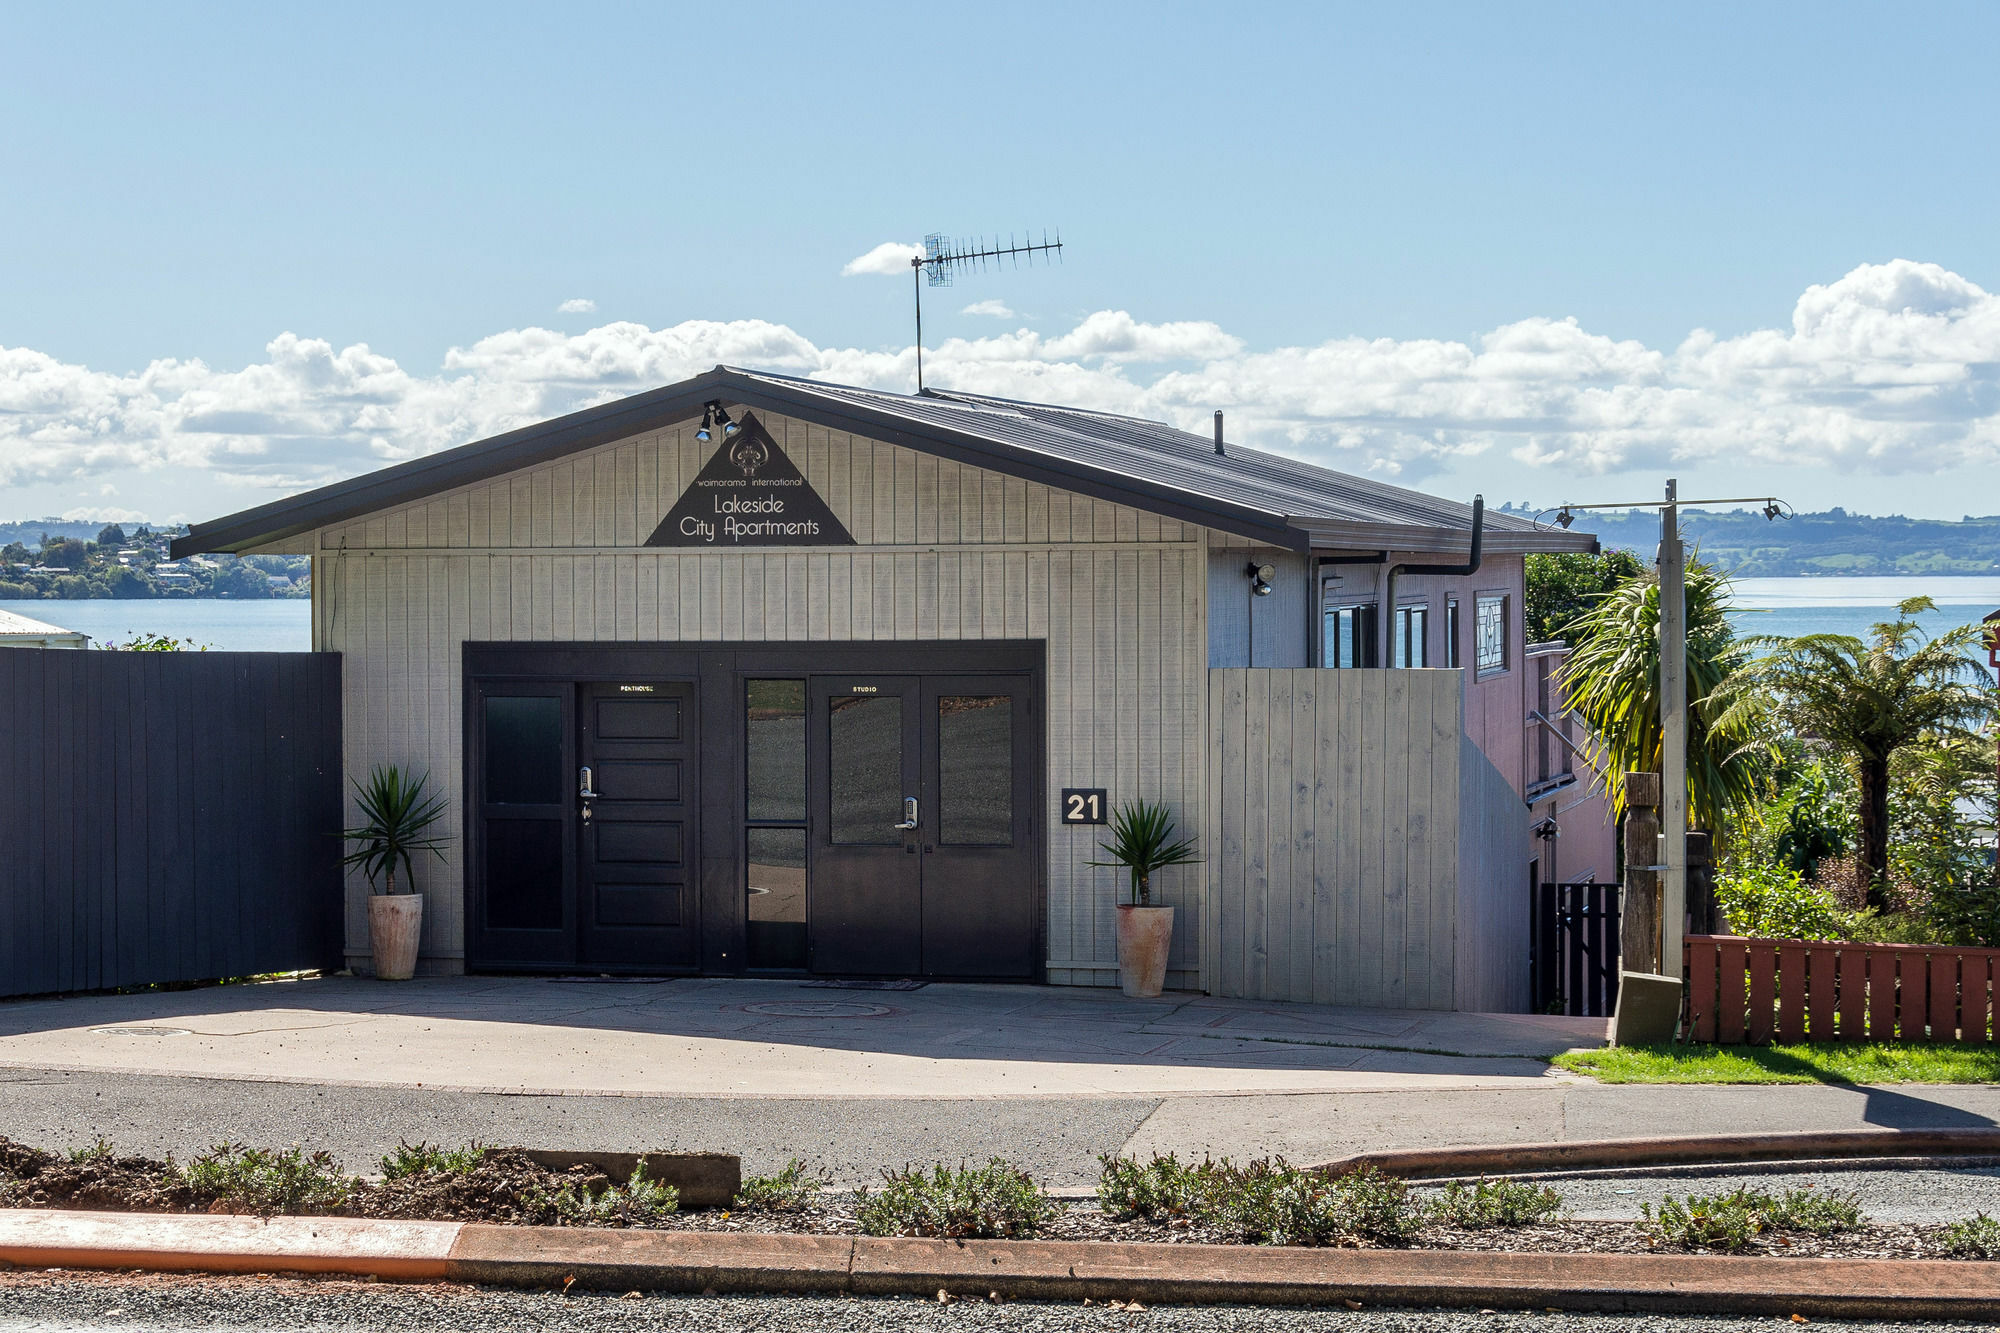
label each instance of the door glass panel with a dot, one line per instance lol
(866, 747)
(775, 765)
(524, 751)
(976, 769)
(777, 927)
(524, 879)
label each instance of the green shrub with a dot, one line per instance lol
(261, 1181)
(1495, 1203)
(968, 1203)
(424, 1159)
(791, 1190)
(1704, 1221)
(1774, 902)
(1976, 1237)
(1728, 1221)
(1269, 1201)
(1822, 1214)
(1160, 1190)
(100, 1151)
(576, 1203)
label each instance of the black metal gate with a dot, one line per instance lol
(1573, 961)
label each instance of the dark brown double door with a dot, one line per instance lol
(586, 823)
(921, 840)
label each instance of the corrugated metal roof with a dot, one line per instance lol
(28, 628)
(1149, 465)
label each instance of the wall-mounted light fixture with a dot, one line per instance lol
(713, 413)
(707, 420)
(729, 427)
(1260, 578)
(1546, 830)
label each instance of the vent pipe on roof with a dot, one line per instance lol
(1384, 645)
(1218, 431)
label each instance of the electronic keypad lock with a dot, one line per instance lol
(909, 815)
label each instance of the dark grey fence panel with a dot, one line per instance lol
(168, 817)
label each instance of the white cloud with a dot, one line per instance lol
(91, 514)
(577, 305)
(996, 309)
(891, 259)
(1894, 368)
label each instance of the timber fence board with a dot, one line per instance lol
(1754, 990)
(174, 818)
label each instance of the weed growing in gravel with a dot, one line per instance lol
(259, 1180)
(998, 1200)
(584, 1202)
(1728, 1221)
(791, 1190)
(1975, 1237)
(100, 1151)
(1822, 1214)
(1494, 1203)
(1268, 1201)
(424, 1159)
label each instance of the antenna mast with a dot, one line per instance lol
(943, 258)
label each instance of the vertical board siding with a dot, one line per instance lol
(1343, 807)
(178, 821)
(1123, 624)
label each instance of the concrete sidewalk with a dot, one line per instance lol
(737, 1039)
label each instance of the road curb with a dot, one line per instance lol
(1670, 1150)
(689, 1262)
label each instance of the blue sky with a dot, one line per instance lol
(1251, 185)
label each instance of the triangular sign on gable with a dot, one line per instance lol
(750, 494)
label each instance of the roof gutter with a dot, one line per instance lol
(1385, 658)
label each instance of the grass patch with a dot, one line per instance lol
(1833, 1062)
(425, 1159)
(792, 1190)
(998, 1201)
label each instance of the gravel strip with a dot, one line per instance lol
(58, 1302)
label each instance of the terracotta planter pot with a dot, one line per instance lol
(395, 921)
(1143, 936)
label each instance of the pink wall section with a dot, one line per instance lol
(1497, 705)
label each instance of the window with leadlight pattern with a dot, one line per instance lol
(1490, 635)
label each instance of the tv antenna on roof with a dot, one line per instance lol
(942, 258)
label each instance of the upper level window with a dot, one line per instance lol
(1454, 652)
(1349, 636)
(1490, 635)
(1412, 636)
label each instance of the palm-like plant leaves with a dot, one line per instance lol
(1869, 699)
(1142, 841)
(1613, 683)
(396, 815)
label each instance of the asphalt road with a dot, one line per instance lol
(1057, 1139)
(46, 1302)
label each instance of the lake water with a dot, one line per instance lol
(277, 626)
(1765, 606)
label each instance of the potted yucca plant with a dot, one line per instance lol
(1142, 841)
(397, 813)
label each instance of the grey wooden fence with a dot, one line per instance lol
(167, 817)
(1363, 850)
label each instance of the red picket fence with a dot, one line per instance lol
(1750, 990)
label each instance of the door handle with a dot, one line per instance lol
(909, 815)
(583, 788)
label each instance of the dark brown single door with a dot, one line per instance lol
(865, 874)
(977, 827)
(523, 853)
(635, 826)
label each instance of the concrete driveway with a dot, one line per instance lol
(736, 1039)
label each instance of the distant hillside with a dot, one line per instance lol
(30, 531)
(1748, 545)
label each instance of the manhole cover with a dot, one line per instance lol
(140, 1032)
(818, 1009)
